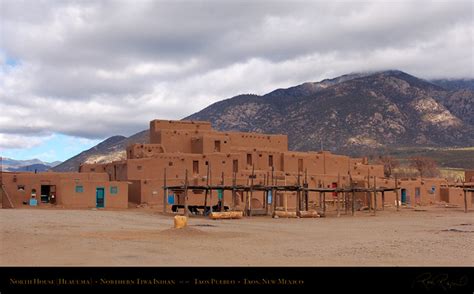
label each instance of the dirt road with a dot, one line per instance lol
(437, 236)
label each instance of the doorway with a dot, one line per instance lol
(100, 197)
(48, 194)
(404, 196)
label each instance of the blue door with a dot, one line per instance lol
(100, 197)
(404, 196)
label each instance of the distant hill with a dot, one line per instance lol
(108, 150)
(8, 164)
(39, 167)
(352, 114)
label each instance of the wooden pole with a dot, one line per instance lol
(251, 190)
(186, 211)
(234, 180)
(306, 193)
(165, 192)
(396, 193)
(337, 194)
(375, 195)
(465, 197)
(207, 190)
(298, 196)
(368, 194)
(210, 183)
(273, 191)
(222, 191)
(353, 197)
(383, 200)
(324, 203)
(267, 180)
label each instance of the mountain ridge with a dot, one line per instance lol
(349, 114)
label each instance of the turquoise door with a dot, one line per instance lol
(404, 195)
(100, 197)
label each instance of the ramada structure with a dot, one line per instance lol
(189, 167)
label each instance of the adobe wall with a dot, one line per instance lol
(455, 196)
(469, 176)
(65, 188)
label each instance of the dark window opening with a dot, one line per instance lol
(195, 167)
(139, 167)
(270, 160)
(300, 165)
(217, 146)
(249, 159)
(235, 165)
(170, 163)
(21, 187)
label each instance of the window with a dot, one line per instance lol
(79, 188)
(21, 187)
(93, 169)
(270, 160)
(300, 165)
(249, 159)
(195, 167)
(217, 146)
(170, 163)
(113, 190)
(139, 167)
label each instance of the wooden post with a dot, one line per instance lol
(383, 200)
(266, 182)
(251, 190)
(273, 191)
(186, 211)
(375, 195)
(337, 194)
(306, 193)
(210, 189)
(368, 195)
(324, 203)
(234, 180)
(396, 193)
(353, 197)
(298, 196)
(165, 192)
(207, 189)
(465, 198)
(223, 193)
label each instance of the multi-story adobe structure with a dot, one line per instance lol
(209, 157)
(180, 147)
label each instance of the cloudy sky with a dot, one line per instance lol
(76, 72)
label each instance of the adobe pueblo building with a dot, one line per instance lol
(188, 166)
(187, 163)
(71, 190)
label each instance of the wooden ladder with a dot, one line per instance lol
(5, 194)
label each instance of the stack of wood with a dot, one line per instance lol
(226, 215)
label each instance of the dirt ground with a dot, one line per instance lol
(432, 237)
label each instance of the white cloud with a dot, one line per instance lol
(93, 69)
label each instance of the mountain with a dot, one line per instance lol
(351, 114)
(108, 150)
(9, 164)
(38, 167)
(455, 84)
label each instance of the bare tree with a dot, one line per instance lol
(425, 166)
(389, 164)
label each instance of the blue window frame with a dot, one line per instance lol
(113, 190)
(79, 189)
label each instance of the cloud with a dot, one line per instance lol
(93, 69)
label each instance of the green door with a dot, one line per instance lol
(100, 197)
(404, 196)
